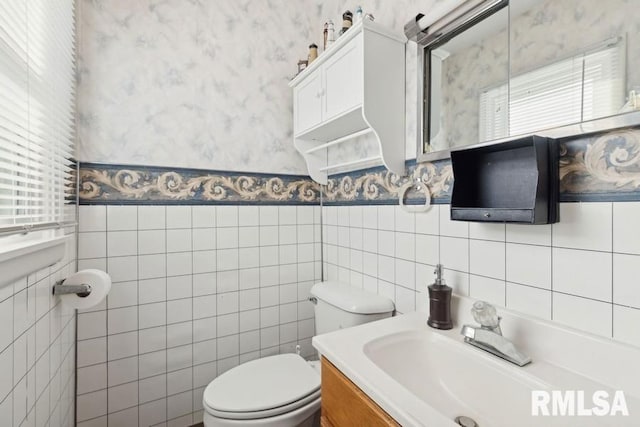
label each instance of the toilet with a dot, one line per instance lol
(284, 390)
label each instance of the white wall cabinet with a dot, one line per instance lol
(354, 88)
(308, 102)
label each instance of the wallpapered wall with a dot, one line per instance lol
(154, 75)
(207, 77)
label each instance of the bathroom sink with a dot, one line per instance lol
(460, 380)
(453, 378)
(426, 377)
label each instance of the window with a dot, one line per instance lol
(581, 88)
(37, 113)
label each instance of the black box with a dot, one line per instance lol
(514, 181)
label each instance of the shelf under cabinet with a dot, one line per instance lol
(339, 140)
(357, 162)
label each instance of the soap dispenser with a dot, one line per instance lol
(439, 303)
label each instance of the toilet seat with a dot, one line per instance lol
(267, 413)
(262, 388)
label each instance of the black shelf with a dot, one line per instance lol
(514, 181)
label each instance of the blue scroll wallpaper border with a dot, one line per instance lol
(598, 167)
(152, 185)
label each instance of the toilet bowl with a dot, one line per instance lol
(281, 390)
(284, 390)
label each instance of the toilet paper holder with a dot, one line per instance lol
(82, 290)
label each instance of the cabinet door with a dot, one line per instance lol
(344, 404)
(307, 103)
(343, 79)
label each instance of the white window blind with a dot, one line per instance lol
(584, 87)
(37, 110)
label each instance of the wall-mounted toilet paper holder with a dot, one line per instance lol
(83, 290)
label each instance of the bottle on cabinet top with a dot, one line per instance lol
(347, 21)
(313, 52)
(357, 14)
(331, 35)
(325, 34)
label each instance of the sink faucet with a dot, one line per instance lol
(488, 336)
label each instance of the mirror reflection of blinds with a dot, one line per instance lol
(584, 87)
(37, 109)
(493, 113)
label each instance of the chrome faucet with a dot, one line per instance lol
(488, 336)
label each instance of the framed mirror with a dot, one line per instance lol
(490, 70)
(459, 55)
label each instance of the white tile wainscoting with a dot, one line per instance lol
(199, 289)
(581, 272)
(196, 291)
(37, 349)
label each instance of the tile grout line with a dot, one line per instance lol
(260, 211)
(138, 310)
(238, 275)
(166, 314)
(192, 305)
(107, 313)
(613, 318)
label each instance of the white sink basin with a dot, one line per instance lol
(425, 377)
(454, 379)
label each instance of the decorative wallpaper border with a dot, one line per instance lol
(150, 185)
(380, 186)
(597, 167)
(601, 167)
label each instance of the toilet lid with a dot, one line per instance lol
(262, 384)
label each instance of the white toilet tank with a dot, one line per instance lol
(339, 305)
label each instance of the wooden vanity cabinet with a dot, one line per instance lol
(344, 404)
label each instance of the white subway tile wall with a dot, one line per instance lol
(580, 272)
(197, 290)
(37, 350)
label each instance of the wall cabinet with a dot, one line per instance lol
(334, 88)
(308, 102)
(344, 404)
(354, 88)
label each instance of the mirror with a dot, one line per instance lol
(491, 70)
(458, 69)
(571, 62)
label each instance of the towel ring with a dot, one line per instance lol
(419, 186)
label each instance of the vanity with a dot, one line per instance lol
(398, 371)
(343, 403)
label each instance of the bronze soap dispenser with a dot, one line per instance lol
(439, 302)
